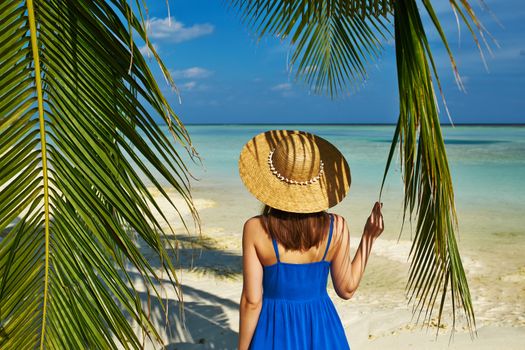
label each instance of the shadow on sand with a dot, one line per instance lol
(201, 254)
(206, 322)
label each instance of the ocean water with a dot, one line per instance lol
(487, 165)
(488, 169)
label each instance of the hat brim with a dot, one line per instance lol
(255, 173)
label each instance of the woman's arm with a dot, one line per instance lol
(251, 298)
(346, 276)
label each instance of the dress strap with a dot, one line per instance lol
(329, 236)
(276, 249)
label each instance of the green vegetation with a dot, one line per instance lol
(77, 108)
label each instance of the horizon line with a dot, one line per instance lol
(349, 124)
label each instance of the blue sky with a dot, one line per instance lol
(226, 76)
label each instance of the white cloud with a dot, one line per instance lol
(191, 73)
(282, 87)
(145, 51)
(193, 85)
(190, 85)
(175, 31)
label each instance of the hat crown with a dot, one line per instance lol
(297, 157)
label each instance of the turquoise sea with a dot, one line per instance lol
(488, 169)
(487, 165)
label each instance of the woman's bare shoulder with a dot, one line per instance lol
(254, 221)
(339, 220)
(340, 226)
(253, 226)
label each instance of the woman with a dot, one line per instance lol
(290, 248)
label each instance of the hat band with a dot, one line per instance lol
(291, 181)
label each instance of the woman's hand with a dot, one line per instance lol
(374, 225)
(347, 277)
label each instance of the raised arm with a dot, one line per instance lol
(251, 298)
(347, 275)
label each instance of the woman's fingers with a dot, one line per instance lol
(373, 219)
(375, 225)
(381, 221)
(376, 212)
(378, 218)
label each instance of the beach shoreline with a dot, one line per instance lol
(210, 272)
(487, 167)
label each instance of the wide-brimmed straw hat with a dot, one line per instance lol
(295, 171)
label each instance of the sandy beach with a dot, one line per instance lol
(377, 316)
(488, 168)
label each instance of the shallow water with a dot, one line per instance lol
(487, 165)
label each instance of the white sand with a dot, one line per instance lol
(377, 316)
(211, 311)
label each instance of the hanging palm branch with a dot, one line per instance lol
(331, 47)
(77, 109)
(429, 194)
(332, 41)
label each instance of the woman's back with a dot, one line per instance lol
(266, 250)
(284, 305)
(297, 312)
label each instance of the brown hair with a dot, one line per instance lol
(295, 231)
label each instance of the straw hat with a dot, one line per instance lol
(294, 171)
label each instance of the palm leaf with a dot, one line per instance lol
(436, 264)
(330, 47)
(339, 38)
(77, 108)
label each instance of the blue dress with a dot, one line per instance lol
(297, 312)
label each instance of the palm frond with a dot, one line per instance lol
(429, 195)
(77, 108)
(331, 42)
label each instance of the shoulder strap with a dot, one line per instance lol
(329, 235)
(276, 249)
